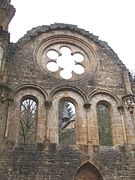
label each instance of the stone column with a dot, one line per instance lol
(121, 110)
(127, 83)
(48, 105)
(87, 108)
(4, 104)
(129, 103)
(89, 141)
(10, 101)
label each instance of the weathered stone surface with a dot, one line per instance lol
(105, 80)
(61, 162)
(7, 12)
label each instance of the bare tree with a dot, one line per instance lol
(28, 120)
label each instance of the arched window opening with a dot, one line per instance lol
(88, 172)
(67, 129)
(28, 118)
(104, 124)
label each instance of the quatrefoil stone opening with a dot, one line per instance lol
(65, 62)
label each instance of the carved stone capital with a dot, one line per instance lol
(121, 109)
(129, 101)
(87, 106)
(48, 104)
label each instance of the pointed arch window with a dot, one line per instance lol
(104, 123)
(88, 172)
(28, 118)
(67, 128)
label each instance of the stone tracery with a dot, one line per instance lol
(67, 61)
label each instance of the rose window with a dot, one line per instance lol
(66, 62)
(64, 55)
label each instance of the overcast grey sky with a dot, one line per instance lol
(111, 20)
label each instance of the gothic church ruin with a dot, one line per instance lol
(66, 106)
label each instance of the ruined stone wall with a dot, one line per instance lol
(52, 162)
(27, 73)
(105, 80)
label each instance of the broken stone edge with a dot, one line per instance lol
(73, 28)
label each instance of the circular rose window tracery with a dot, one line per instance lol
(66, 57)
(65, 62)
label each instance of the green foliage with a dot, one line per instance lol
(68, 136)
(105, 135)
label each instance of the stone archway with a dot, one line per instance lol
(88, 172)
